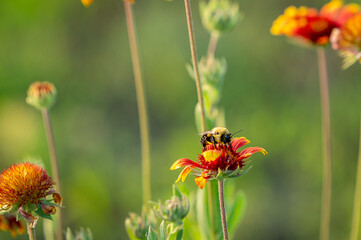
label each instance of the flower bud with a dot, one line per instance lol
(41, 95)
(81, 234)
(138, 225)
(219, 16)
(175, 209)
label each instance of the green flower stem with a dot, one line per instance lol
(142, 107)
(195, 63)
(222, 207)
(212, 46)
(357, 199)
(326, 139)
(54, 167)
(31, 231)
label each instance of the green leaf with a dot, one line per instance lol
(235, 211)
(202, 219)
(151, 234)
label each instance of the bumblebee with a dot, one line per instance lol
(216, 135)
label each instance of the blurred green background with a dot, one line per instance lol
(271, 91)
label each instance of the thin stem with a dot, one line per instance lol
(142, 107)
(195, 62)
(357, 199)
(212, 46)
(31, 231)
(222, 207)
(54, 167)
(326, 139)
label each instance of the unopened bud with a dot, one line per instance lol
(219, 16)
(41, 95)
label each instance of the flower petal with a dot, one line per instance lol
(246, 153)
(211, 155)
(201, 182)
(183, 174)
(183, 162)
(239, 142)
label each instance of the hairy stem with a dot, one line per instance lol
(54, 167)
(326, 142)
(31, 231)
(357, 199)
(195, 62)
(223, 208)
(142, 107)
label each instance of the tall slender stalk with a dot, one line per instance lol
(223, 208)
(200, 95)
(142, 107)
(31, 231)
(357, 199)
(195, 62)
(326, 142)
(54, 167)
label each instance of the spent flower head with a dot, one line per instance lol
(25, 189)
(41, 95)
(312, 26)
(9, 223)
(219, 16)
(217, 161)
(347, 40)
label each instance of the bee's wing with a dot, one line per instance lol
(206, 132)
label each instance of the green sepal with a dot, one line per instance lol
(129, 230)
(40, 213)
(50, 203)
(162, 233)
(151, 234)
(176, 192)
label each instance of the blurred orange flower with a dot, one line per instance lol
(219, 160)
(311, 26)
(347, 39)
(9, 223)
(24, 188)
(87, 3)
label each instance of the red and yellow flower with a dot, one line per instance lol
(220, 160)
(312, 26)
(347, 39)
(9, 223)
(24, 189)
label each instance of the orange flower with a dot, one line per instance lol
(87, 3)
(24, 188)
(347, 39)
(219, 160)
(312, 26)
(9, 223)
